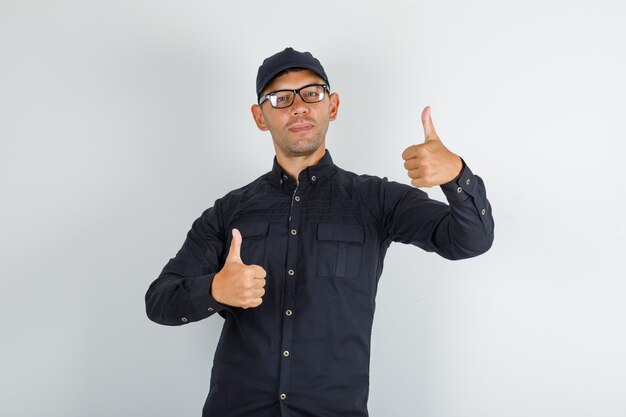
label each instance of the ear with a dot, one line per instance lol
(257, 115)
(334, 106)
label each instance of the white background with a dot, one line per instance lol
(121, 121)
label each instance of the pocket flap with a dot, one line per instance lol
(340, 232)
(253, 229)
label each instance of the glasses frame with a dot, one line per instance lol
(266, 97)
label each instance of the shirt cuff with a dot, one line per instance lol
(462, 187)
(201, 298)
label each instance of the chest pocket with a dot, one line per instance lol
(253, 241)
(340, 247)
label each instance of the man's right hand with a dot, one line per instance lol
(238, 284)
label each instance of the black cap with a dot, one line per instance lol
(284, 60)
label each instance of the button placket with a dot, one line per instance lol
(291, 263)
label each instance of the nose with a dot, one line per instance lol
(299, 106)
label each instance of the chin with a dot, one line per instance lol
(306, 148)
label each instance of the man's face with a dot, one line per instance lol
(298, 130)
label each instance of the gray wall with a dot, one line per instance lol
(121, 121)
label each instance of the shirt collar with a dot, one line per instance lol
(311, 174)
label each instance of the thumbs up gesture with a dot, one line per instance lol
(238, 284)
(430, 163)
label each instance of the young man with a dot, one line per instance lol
(292, 260)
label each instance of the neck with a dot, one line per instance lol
(293, 165)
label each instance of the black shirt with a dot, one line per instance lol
(305, 350)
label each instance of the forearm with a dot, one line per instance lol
(174, 300)
(182, 292)
(468, 230)
(455, 231)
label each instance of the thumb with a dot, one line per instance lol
(429, 128)
(234, 253)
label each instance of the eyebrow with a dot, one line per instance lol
(316, 81)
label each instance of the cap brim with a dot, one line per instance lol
(268, 79)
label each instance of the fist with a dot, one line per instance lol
(430, 163)
(238, 284)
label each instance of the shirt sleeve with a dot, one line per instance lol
(461, 229)
(182, 292)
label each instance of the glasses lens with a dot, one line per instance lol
(312, 94)
(281, 99)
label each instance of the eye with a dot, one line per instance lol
(312, 94)
(283, 96)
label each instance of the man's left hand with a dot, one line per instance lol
(430, 163)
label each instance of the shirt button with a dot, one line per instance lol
(458, 190)
(291, 272)
(483, 212)
(294, 232)
(467, 182)
(285, 177)
(210, 309)
(288, 313)
(184, 319)
(283, 396)
(313, 178)
(297, 198)
(286, 353)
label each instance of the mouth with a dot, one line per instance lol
(301, 127)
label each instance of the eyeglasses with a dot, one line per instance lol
(312, 93)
